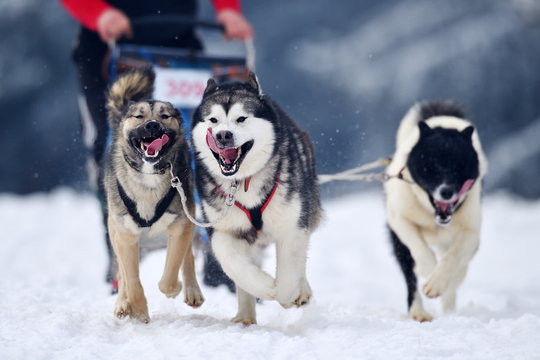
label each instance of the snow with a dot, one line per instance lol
(55, 305)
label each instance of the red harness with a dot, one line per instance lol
(254, 215)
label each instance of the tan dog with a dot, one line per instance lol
(147, 139)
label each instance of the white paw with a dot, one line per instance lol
(417, 312)
(437, 283)
(170, 290)
(420, 315)
(193, 296)
(244, 320)
(300, 296)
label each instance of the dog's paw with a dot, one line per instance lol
(299, 298)
(170, 290)
(138, 312)
(244, 320)
(305, 294)
(437, 283)
(193, 296)
(122, 309)
(420, 315)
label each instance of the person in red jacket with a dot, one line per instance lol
(103, 22)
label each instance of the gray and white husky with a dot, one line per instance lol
(433, 201)
(241, 136)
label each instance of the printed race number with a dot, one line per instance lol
(181, 87)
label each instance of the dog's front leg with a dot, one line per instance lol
(452, 267)
(192, 292)
(409, 234)
(246, 314)
(292, 287)
(131, 300)
(179, 237)
(234, 255)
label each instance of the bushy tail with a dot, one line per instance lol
(135, 85)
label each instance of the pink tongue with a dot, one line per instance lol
(443, 206)
(229, 154)
(156, 145)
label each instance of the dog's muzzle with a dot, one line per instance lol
(445, 209)
(150, 140)
(228, 156)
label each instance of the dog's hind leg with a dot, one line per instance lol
(292, 287)
(180, 235)
(235, 257)
(246, 314)
(192, 292)
(406, 263)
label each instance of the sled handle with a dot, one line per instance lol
(176, 19)
(179, 20)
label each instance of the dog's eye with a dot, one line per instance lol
(165, 116)
(139, 116)
(241, 119)
(213, 120)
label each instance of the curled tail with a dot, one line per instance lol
(135, 85)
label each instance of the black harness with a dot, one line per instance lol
(161, 207)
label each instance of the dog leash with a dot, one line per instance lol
(229, 200)
(354, 173)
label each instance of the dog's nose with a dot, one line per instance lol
(225, 138)
(446, 193)
(153, 127)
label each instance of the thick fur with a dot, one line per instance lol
(280, 151)
(438, 153)
(145, 181)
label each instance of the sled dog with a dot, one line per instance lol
(433, 201)
(147, 139)
(242, 138)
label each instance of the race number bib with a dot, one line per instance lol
(183, 88)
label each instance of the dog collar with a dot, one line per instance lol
(131, 207)
(254, 215)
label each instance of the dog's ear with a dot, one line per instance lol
(467, 132)
(425, 130)
(253, 82)
(211, 86)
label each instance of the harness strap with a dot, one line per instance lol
(131, 207)
(254, 215)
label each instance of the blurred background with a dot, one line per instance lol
(346, 71)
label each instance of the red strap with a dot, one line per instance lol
(263, 207)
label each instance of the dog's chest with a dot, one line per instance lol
(278, 214)
(160, 226)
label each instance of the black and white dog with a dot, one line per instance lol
(242, 137)
(433, 201)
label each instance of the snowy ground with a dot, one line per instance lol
(55, 305)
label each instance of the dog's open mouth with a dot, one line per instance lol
(228, 158)
(444, 211)
(151, 147)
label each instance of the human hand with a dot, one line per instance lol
(236, 25)
(113, 24)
